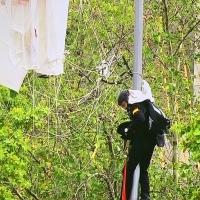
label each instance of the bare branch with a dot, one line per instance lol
(167, 23)
(166, 16)
(18, 194)
(185, 36)
(110, 143)
(106, 179)
(126, 63)
(32, 194)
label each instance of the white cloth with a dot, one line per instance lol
(34, 35)
(11, 76)
(146, 90)
(136, 96)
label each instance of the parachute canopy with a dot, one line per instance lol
(32, 38)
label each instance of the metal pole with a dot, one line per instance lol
(138, 43)
(137, 76)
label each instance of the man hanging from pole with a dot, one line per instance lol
(141, 143)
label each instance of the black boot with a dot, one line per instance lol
(145, 197)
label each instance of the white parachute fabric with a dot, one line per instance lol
(136, 96)
(146, 90)
(11, 76)
(23, 50)
(51, 35)
(34, 37)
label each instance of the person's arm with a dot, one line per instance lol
(137, 117)
(137, 123)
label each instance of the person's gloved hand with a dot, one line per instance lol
(125, 134)
(125, 131)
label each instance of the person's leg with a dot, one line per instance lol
(134, 157)
(144, 177)
(144, 182)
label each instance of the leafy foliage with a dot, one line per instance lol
(58, 138)
(190, 132)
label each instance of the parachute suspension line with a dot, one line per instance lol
(56, 105)
(49, 115)
(137, 74)
(94, 28)
(57, 89)
(33, 103)
(97, 124)
(48, 118)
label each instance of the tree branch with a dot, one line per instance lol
(111, 83)
(156, 56)
(18, 194)
(166, 16)
(109, 139)
(185, 36)
(106, 179)
(126, 63)
(167, 23)
(32, 194)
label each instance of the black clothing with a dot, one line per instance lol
(145, 197)
(138, 115)
(140, 152)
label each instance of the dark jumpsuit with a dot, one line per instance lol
(141, 149)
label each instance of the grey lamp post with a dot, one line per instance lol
(137, 75)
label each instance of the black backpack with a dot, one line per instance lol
(158, 122)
